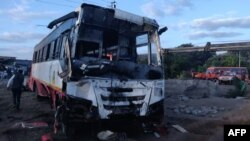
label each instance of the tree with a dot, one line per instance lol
(176, 63)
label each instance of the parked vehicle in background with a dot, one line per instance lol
(200, 75)
(213, 73)
(224, 74)
(226, 77)
(228, 73)
(210, 74)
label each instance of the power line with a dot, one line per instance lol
(103, 1)
(74, 1)
(99, 2)
(41, 25)
(88, 1)
(54, 3)
(111, 4)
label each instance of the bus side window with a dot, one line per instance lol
(37, 57)
(42, 53)
(58, 45)
(63, 43)
(47, 52)
(51, 52)
(54, 50)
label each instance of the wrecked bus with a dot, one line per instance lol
(100, 63)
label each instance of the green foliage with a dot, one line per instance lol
(227, 60)
(230, 60)
(175, 63)
(240, 88)
(185, 75)
(201, 69)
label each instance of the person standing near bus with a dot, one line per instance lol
(15, 83)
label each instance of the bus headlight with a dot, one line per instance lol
(157, 95)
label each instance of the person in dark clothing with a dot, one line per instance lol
(16, 84)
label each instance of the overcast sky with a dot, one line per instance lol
(23, 22)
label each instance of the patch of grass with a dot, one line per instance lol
(240, 88)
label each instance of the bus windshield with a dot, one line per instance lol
(108, 44)
(116, 38)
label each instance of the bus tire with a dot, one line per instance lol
(66, 128)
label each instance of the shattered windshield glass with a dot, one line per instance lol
(116, 47)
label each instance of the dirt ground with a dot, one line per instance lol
(203, 118)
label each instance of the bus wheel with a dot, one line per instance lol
(62, 122)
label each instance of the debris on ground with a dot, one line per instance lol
(157, 135)
(47, 137)
(198, 127)
(111, 136)
(183, 98)
(179, 128)
(106, 135)
(240, 97)
(29, 125)
(156, 129)
(198, 111)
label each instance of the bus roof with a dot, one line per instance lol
(67, 21)
(127, 16)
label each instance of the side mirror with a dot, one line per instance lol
(162, 30)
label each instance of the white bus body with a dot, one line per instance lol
(100, 63)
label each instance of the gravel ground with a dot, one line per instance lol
(203, 118)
